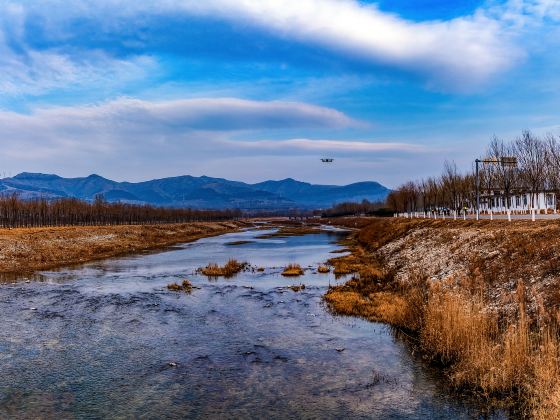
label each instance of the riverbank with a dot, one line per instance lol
(26, 250)
(481, 299)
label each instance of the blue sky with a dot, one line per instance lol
(262, 89)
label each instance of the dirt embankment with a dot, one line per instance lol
(23, 251)
(499, 255)
(481, 299)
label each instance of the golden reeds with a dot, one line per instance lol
(185, 286)
(323, 269)
(229, 269)
(292, 270)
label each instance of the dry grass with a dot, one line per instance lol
(185, 286)
(347, 264)
(509, 360)
(292, 270)
(298, 288)
(229, 269)
(26, 250)
(545, 401)
(499, 340)
(174, 287)
(480, 352)
(323, 269)
(378, 307)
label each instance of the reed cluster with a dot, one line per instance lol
(292, 270)
(229, 269)
(515, 360)
(323, 269)
(185, 286)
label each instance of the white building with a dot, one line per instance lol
(521, 202)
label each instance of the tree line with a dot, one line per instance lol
(355, 209)
(16, 212)
(537, 169)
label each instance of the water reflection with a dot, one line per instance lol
(109, 340)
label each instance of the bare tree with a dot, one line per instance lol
(451, 184)
(531, 155)
(15, 212)
(503, 175)
(553, 163)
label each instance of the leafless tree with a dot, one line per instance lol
(15, 212)
(531, 153)
(503, 176)
(552, 163)
(451, 183)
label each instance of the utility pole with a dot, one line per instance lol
(477, 162)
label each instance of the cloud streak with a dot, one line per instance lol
(135, 127)
(175, 116)
(457, 54)
(345, 146)
(136, 136)
(25, 70)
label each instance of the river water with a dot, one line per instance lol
(108, 340)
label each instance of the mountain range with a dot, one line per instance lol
(194, 192)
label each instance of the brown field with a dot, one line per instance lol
(481, 299)
(26, 250)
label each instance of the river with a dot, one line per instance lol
(108, 340)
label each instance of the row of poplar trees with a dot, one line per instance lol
(16, 212)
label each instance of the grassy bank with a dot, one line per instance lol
(480, 299)
(25, 250)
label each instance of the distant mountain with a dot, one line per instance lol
(195, 192)
(320, 196)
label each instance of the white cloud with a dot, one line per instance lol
(37, 72)
(28, 70)
(457, 54)
(134, 139)
(310, 145)
(141, 128)
(176, 116)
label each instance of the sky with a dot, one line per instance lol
(252, 90)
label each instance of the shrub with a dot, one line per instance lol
(231, 268)
(185, 286)
(292, 270)
(323, 269)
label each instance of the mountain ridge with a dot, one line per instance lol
(195, 192)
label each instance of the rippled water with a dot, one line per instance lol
(109, 340)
